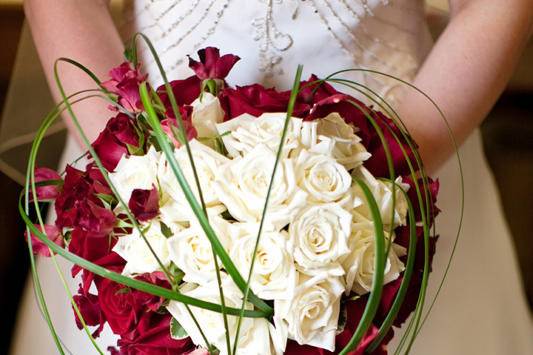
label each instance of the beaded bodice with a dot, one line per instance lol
(274, 36)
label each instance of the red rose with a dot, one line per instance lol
(125, 82)
(123, 307)
(411, 297)
(256, 100)
(52, 233)
(355, 311)
(90, 310)
(152, 337)
(185, 91)
(113, 141)
(111, 261)
(144, 204)
(377, 163)
(50, 191)
(98, 183)
(89, 246)
(211, 64)
(77, 206)
(433, 188)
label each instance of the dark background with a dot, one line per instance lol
(508, 143)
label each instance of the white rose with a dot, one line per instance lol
(243, 133)
(206, 114)
(208, 166)
(347, 148)
(359, 264)
(322, 177)
(135, 172)
(320, 235)
(139, 258)
(274, 274)
(254, 333)
(243, 187)
(191, 250)
(312, 315)
(382, 192)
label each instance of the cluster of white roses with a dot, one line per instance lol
(318, 240)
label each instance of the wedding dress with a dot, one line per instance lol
(481, 309)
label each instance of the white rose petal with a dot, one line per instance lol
(243, 133)
(322, 177)
(135, 172)
(139, 258)
(320, 235)
(206, 114)
(382, 192)
(208, 164)
(191, 250)
(254, 333)
(348, 148)
(243, 187)
(359, 264)
(179, 214)
(274, 274)
(312, 315)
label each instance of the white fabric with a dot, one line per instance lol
(481, 309)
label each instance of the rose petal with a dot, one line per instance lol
(52, 233)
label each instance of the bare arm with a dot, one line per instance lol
(466, 72)
(82, 30)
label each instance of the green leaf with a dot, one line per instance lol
(176, 330)
(130, 53)
(107, 200)
(165, 230)
(133, 150)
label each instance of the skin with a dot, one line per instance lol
(465, 72)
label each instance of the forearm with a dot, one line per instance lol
(84, 31)
(465, 73)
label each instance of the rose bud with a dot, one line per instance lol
(144, 204)
(212, 65)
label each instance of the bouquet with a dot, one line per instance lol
(240, 220)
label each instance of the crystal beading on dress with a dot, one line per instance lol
(271, 40)
(347, 22)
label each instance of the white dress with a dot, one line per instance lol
(481, 309)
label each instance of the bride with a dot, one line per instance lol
(481, 309)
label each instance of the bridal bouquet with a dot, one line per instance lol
(240, 220)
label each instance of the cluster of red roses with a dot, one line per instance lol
(83, 208)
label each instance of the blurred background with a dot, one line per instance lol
(507, 134)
